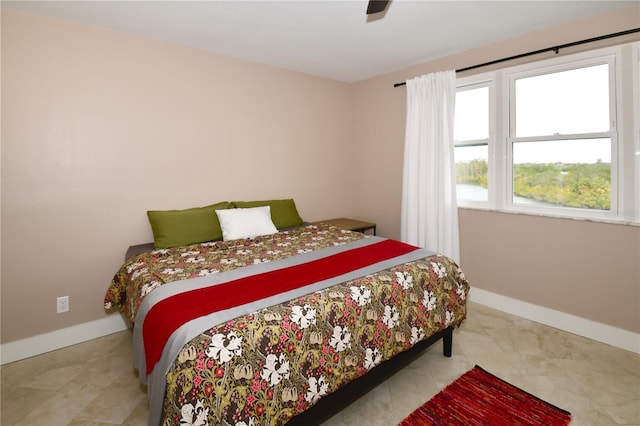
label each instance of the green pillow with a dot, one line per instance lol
(173, 228)
(283, 212)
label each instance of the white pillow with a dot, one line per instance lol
(246, 223)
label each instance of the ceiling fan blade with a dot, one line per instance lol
(376, 6)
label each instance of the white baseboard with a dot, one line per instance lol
(36, 345)
(604, 333)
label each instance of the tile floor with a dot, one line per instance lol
(93, 383)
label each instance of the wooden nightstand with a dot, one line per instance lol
(351, 224)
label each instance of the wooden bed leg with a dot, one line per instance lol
(447, 343)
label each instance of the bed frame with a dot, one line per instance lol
(337, 401)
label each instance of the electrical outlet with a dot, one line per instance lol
(62, 304)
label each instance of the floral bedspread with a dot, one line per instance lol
(267, 367)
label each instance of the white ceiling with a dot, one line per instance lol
(333, 39)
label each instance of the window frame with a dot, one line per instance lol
(635, 78)
(624, 82)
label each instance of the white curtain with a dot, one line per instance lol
(429, 208)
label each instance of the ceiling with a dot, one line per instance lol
(333, 39)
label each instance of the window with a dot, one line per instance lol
(471, 136)
(563, 173)
(548, 137)
(561, 137)
(569, 101)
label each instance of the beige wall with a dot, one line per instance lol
(582, 268)
(588, 269)
(98, 127)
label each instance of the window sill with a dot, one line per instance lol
(611, 221)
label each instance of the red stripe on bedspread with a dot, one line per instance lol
(169, 314)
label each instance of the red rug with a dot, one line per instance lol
(480, 398)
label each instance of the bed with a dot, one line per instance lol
(257, 331)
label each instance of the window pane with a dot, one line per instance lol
(566, 173)
(471, 120)
(573, 101)
(471, 172)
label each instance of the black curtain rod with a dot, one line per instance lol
(548, 49)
